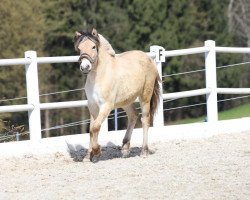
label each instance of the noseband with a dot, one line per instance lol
(85, 55)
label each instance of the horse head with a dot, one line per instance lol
(88, 44)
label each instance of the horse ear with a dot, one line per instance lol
(94, 32)
(77, 34)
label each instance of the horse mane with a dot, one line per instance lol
(106, 45)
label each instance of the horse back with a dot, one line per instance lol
(135, 76)
(135, 61)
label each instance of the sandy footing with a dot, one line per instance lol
(213, 168)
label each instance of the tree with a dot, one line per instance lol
(61, 26)
(48, 27)
(239, 19)
(22, 27)
(239, 24)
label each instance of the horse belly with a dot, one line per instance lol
(127, 94)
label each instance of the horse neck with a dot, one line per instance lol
(102, 65)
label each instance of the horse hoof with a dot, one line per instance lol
(86, 160)
(95, 159)
(144, 153)
(95, 155)
(125, 153)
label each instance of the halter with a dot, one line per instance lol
(85, 55)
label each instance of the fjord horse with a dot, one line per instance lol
(115, 81)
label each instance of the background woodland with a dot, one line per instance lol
(48, 27)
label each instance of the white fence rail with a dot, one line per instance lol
(159, 54)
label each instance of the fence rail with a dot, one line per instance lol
(233, 90)
(159, 55)
(16, 108)
(67, 104)
(183, 52)
(190, 93)
(232, 50)
(16, 61)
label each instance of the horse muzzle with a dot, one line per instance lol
(85, 66)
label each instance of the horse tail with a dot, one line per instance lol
(155, 99)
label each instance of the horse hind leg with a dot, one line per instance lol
(132, 118)
(145, 119)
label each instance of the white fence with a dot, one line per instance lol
(159, 54)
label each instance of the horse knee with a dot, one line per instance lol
(95, 128)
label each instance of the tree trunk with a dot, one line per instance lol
(61, 123)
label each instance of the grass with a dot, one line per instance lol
(234, 113)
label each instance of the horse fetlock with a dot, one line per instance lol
(125, 148)
(125, 142)
(96, 150)
(144, 151)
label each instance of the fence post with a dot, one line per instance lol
(159, 58)
(211, 82)
(33, 96)
(116, 119)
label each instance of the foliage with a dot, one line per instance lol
(233, 113)
(11, 132)
(20, 31)
(49, 26)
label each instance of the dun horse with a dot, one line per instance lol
(115, 81)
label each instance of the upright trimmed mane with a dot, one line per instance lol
(106, 45)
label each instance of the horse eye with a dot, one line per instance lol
(93, 47)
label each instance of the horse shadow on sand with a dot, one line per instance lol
(110, 151)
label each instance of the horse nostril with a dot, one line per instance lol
(85, 66)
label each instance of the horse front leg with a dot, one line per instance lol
(87, 156)
(95, 129)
